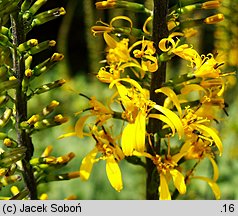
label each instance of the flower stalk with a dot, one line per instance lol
(158, 78)
(21, 105)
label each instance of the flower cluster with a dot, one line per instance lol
(191, 107)
(19, 68)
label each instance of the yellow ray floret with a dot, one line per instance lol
(213, 185)
(213, 135)
(173, 97)
(133, 136)
(114, 173)
(173, 118)
(87, 164)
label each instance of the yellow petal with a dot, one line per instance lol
(142, 154)
(134, 64)
(215, 188)
(128, 139)
(123, 91)
(173, 97)
(173, 118)
(192, 87)
(122, 18)
(80, 124)
(150, 65)
(111, 42)
(87, 164)
(215, 169)
(164, 189)
(145, 24)
(176, 158)
(130, 64)
(137, 43)
(140, 130)
(163, 44)
(133, 135)
(188, 54)
(165, 120)
(214, 136)
(131, 81)
(118, 153)
(178, 180)
(186, 146)
(114, 173)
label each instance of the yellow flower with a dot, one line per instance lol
(107, 150)
(195, 127)
(118, 54)
(117, 51)
(209, 92)
(167, 168)
(136, 106)
(133, 99)
(204, 66)
(97, 109)
(107, 76)
(200, 149)
(148, 61)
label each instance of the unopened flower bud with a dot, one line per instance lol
(60, 119)
(41, 47)
(27, 45)
(33, 119)
(12, 156)
(26, 5)
(57, 57)
(48, 109)
(28, 73)
(47, 87)
(47, 151)
(211, 5)
(214, 19)
(28, 62)
(73, 175)
(47, 16)
(7, 142)
(3, 99)
(65, 158)
(4, 40)
(6, 180)
(105, 4)
(3, 171)
(44, 196)
(12, 78)
(36, 6)
(14, 190)
(5, 117)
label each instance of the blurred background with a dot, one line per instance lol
(83, 52)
